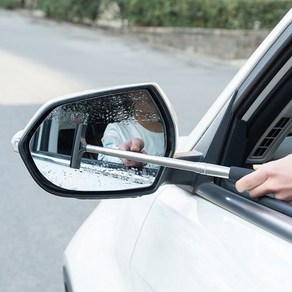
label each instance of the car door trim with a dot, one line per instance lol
(270, 220)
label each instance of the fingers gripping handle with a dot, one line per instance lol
(237, 173)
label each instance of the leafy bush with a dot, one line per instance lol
(231, 14)
(70, 10)
(159, 12)
(10, 4)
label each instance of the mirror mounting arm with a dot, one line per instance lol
(79, 146)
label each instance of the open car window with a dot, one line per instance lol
(261, 119)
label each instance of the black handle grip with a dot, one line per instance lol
(237, 173)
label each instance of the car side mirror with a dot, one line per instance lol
(60, 144)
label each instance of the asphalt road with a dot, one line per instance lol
(39, 60)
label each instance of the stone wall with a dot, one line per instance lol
(216, 43)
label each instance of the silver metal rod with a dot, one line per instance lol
(197, 167)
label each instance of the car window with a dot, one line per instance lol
(261, 122)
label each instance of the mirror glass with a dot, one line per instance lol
(129, 121)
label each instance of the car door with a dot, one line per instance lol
(203, 235)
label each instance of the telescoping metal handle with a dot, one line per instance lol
(232, 173)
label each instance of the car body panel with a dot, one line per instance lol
(174, 241)
(190, 244)
(109, 235)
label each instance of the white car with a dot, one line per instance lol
(173, 224)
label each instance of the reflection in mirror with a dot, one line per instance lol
(128, 121)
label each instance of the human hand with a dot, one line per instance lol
(135, 145)
(274, 177)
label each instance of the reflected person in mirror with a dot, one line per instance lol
(274, 177)
(143, 133)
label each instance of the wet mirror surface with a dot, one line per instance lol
(128, 121)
